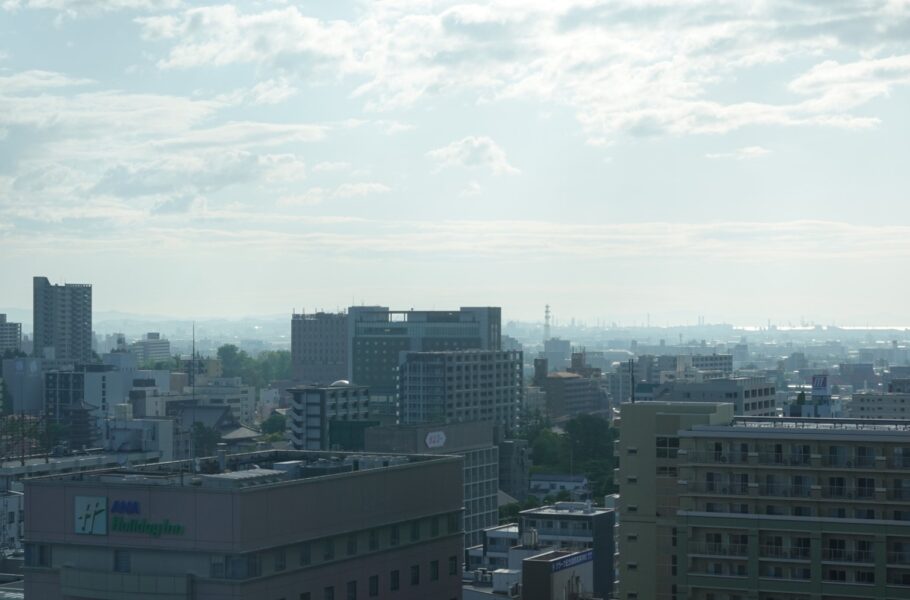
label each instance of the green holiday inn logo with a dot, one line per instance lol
(91, 518)
(91, 515)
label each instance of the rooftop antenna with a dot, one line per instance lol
(193, 384)
(546, 323)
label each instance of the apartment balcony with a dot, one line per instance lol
(783, 460)
(899, 558)
(849, 462)
(723, 550)
(847, 556)
(850, 493)
(782, 553)
(785, 491)
(715, 488)
(733, 458)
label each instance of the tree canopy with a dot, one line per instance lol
(584, 446)
(257, 371)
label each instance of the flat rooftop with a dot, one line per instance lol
(567, 508)
(805, 427)
(246, 470)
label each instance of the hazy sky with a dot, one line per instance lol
(677, 157)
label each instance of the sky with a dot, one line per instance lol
(741, 161)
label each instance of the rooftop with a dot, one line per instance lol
(567, 508)
(806, 427)
(251, 469)
(558, 477)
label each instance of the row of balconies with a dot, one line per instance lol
(794, 460)
(795, 491)
(777, 552)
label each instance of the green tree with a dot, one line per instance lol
(276, 423)
(258, 372)
(205, 440)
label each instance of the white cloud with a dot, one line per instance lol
(744, 153)
(78, 7)
(645, 68)
(222, 35)
(317, 195)
(36, 81)
(474, 151)
(841, 87)
(358, 190)
(331, 167)
(270, 91)
(393, 127)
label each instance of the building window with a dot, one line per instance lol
(37, 555)
(374, 586)
(453, 565)
(434, 570)
(865, 577)
(434, 526)
(328, 593)
(393, 580)
(305, 553)
(393, 538)
(280, 560)
(122, 561)
(415, 531)
(452, 523)
(352, 545)
(667, 447)
(352, 590)
(415, 574)
(328, 551)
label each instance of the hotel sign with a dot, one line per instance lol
(90, 515)
(91, 518)
(572, 561)
(436, 439)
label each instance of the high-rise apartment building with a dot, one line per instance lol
(62, 320)
(259, 526)
(376, 336)
(461, 386)
(314, 409)
(319, 347)
(151, 348)
(647, 451)
(762, 508)
(10, 335)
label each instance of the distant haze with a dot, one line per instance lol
(623, 161)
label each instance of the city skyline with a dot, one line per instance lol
(610, 159)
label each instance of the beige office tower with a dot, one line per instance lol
(647, 479)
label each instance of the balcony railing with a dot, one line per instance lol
(847, 556)
(848, 462)
(719, 549)
(792, 553)
(849, 493)
(727, 489)
(735, 458)
(785, 491)
(775, 458)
